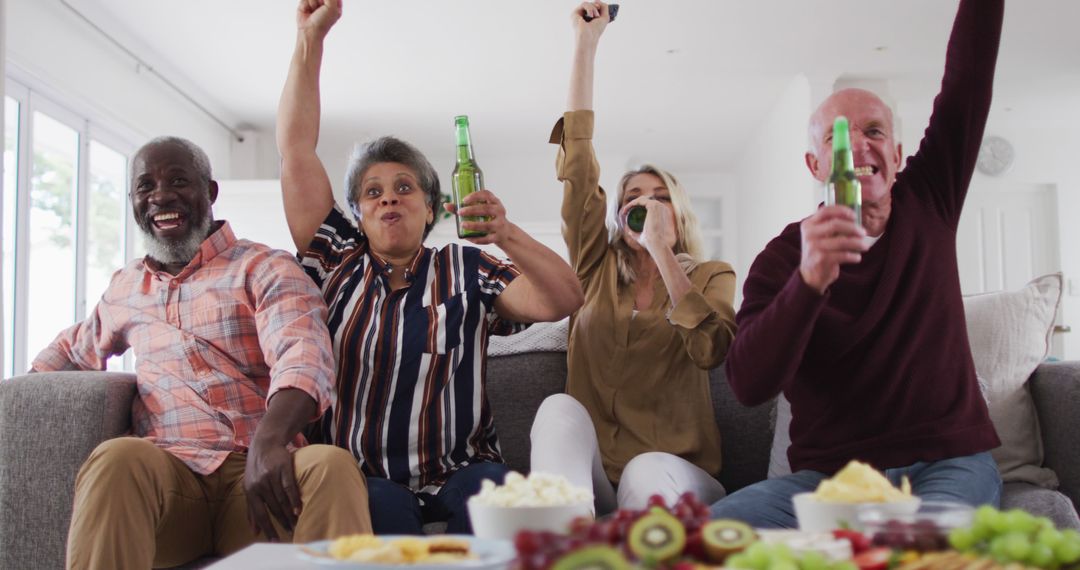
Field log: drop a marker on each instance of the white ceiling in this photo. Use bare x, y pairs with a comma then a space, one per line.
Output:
681, 82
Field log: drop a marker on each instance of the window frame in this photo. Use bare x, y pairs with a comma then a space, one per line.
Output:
85, 123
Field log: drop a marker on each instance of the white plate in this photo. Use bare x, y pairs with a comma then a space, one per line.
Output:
490, 555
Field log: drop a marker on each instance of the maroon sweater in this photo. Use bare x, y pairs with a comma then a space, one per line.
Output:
879, 368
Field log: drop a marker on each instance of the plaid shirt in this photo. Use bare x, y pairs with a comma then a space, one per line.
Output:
212, 345
412, 405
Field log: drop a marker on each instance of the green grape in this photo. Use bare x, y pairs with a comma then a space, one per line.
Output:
1045, 523
813, 561
984, 522
1020, 521
1041, 556
1070, 534
784, 565
1016, 546
845, 565
999, 550
962, 539
758, 555
1049, 537
780, 553
740, 561
1068, 550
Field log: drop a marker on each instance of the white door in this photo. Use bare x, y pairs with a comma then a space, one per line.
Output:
1008, 236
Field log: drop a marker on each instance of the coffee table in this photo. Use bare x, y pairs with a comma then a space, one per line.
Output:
265, 556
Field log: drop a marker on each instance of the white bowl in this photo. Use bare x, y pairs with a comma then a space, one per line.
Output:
505, 522
815, 515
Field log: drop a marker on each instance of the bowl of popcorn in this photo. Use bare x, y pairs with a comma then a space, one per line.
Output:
539, 502
837, 501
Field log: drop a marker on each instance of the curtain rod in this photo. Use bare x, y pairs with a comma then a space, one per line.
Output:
144, 65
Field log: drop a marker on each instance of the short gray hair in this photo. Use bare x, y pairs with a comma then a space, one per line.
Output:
391, 149
198, 155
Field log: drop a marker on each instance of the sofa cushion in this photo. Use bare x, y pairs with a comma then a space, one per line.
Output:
1010, 335
1033, 499
516, 385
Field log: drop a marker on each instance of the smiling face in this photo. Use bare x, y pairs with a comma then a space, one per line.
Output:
648, 186
873, 143
171, 199
394, 209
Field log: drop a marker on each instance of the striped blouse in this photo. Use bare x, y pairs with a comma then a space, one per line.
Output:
411, 402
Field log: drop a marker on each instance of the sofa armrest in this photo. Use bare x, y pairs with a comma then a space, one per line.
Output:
1055, 388
49, 424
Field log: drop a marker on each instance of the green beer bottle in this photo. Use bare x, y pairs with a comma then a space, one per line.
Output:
467, 177
635, 218
844, 188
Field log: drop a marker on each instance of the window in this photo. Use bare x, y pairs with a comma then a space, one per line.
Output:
66, 221
11, 138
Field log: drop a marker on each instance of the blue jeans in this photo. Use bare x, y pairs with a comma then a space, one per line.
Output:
395, 509
972, 479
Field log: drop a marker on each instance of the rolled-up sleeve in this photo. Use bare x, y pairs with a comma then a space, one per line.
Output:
705, 318
290, 316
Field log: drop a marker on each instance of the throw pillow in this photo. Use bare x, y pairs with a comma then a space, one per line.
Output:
1010, 334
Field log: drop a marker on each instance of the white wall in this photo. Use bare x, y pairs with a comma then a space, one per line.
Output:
774, 186
1048, 155
54, 51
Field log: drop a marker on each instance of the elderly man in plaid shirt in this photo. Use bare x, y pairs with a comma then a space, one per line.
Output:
233, 359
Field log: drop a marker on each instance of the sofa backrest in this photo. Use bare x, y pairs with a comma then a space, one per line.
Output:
516, 384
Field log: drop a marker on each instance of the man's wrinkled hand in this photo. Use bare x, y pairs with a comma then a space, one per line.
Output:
830, 238
271, 488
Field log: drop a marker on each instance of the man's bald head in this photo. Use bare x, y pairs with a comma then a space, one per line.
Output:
873, 140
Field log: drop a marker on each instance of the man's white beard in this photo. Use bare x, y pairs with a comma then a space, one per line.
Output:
182, 251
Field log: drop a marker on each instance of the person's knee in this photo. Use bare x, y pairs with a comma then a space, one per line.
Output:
558, 411
646, 475
324, 463
118, 458
647, 470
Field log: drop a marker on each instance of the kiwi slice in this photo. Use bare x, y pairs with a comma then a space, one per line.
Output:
656, 537
725, 536
592, 558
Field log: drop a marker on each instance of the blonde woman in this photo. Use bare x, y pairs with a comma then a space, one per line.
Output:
637, 418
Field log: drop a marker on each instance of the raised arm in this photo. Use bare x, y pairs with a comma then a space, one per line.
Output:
305, 187
547, 289
950, 146
584, 205
587, 38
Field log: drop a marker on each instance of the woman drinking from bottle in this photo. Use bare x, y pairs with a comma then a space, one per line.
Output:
410, 324
637, 418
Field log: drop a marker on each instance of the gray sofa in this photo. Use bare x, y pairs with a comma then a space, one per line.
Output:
49, 423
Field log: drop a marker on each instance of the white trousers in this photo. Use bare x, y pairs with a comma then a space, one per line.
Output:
564, 442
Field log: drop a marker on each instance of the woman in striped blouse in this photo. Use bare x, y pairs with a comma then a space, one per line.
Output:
410, 324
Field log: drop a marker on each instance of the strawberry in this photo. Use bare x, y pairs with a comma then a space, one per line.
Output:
873, 559
859, 541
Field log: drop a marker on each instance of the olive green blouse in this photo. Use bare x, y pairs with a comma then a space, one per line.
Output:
643, 378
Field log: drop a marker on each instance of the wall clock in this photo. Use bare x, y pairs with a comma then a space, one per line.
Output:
995, 156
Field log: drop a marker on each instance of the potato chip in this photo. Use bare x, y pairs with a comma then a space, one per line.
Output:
859, 483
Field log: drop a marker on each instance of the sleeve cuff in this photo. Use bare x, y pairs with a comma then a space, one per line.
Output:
691, 311
573, 125
324, 397
802, 295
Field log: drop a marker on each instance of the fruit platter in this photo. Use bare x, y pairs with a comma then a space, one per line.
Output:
682, 537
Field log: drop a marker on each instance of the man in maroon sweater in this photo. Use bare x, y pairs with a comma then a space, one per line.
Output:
862, 328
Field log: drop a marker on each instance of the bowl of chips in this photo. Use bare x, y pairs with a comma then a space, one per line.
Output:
837, 501
539, 502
